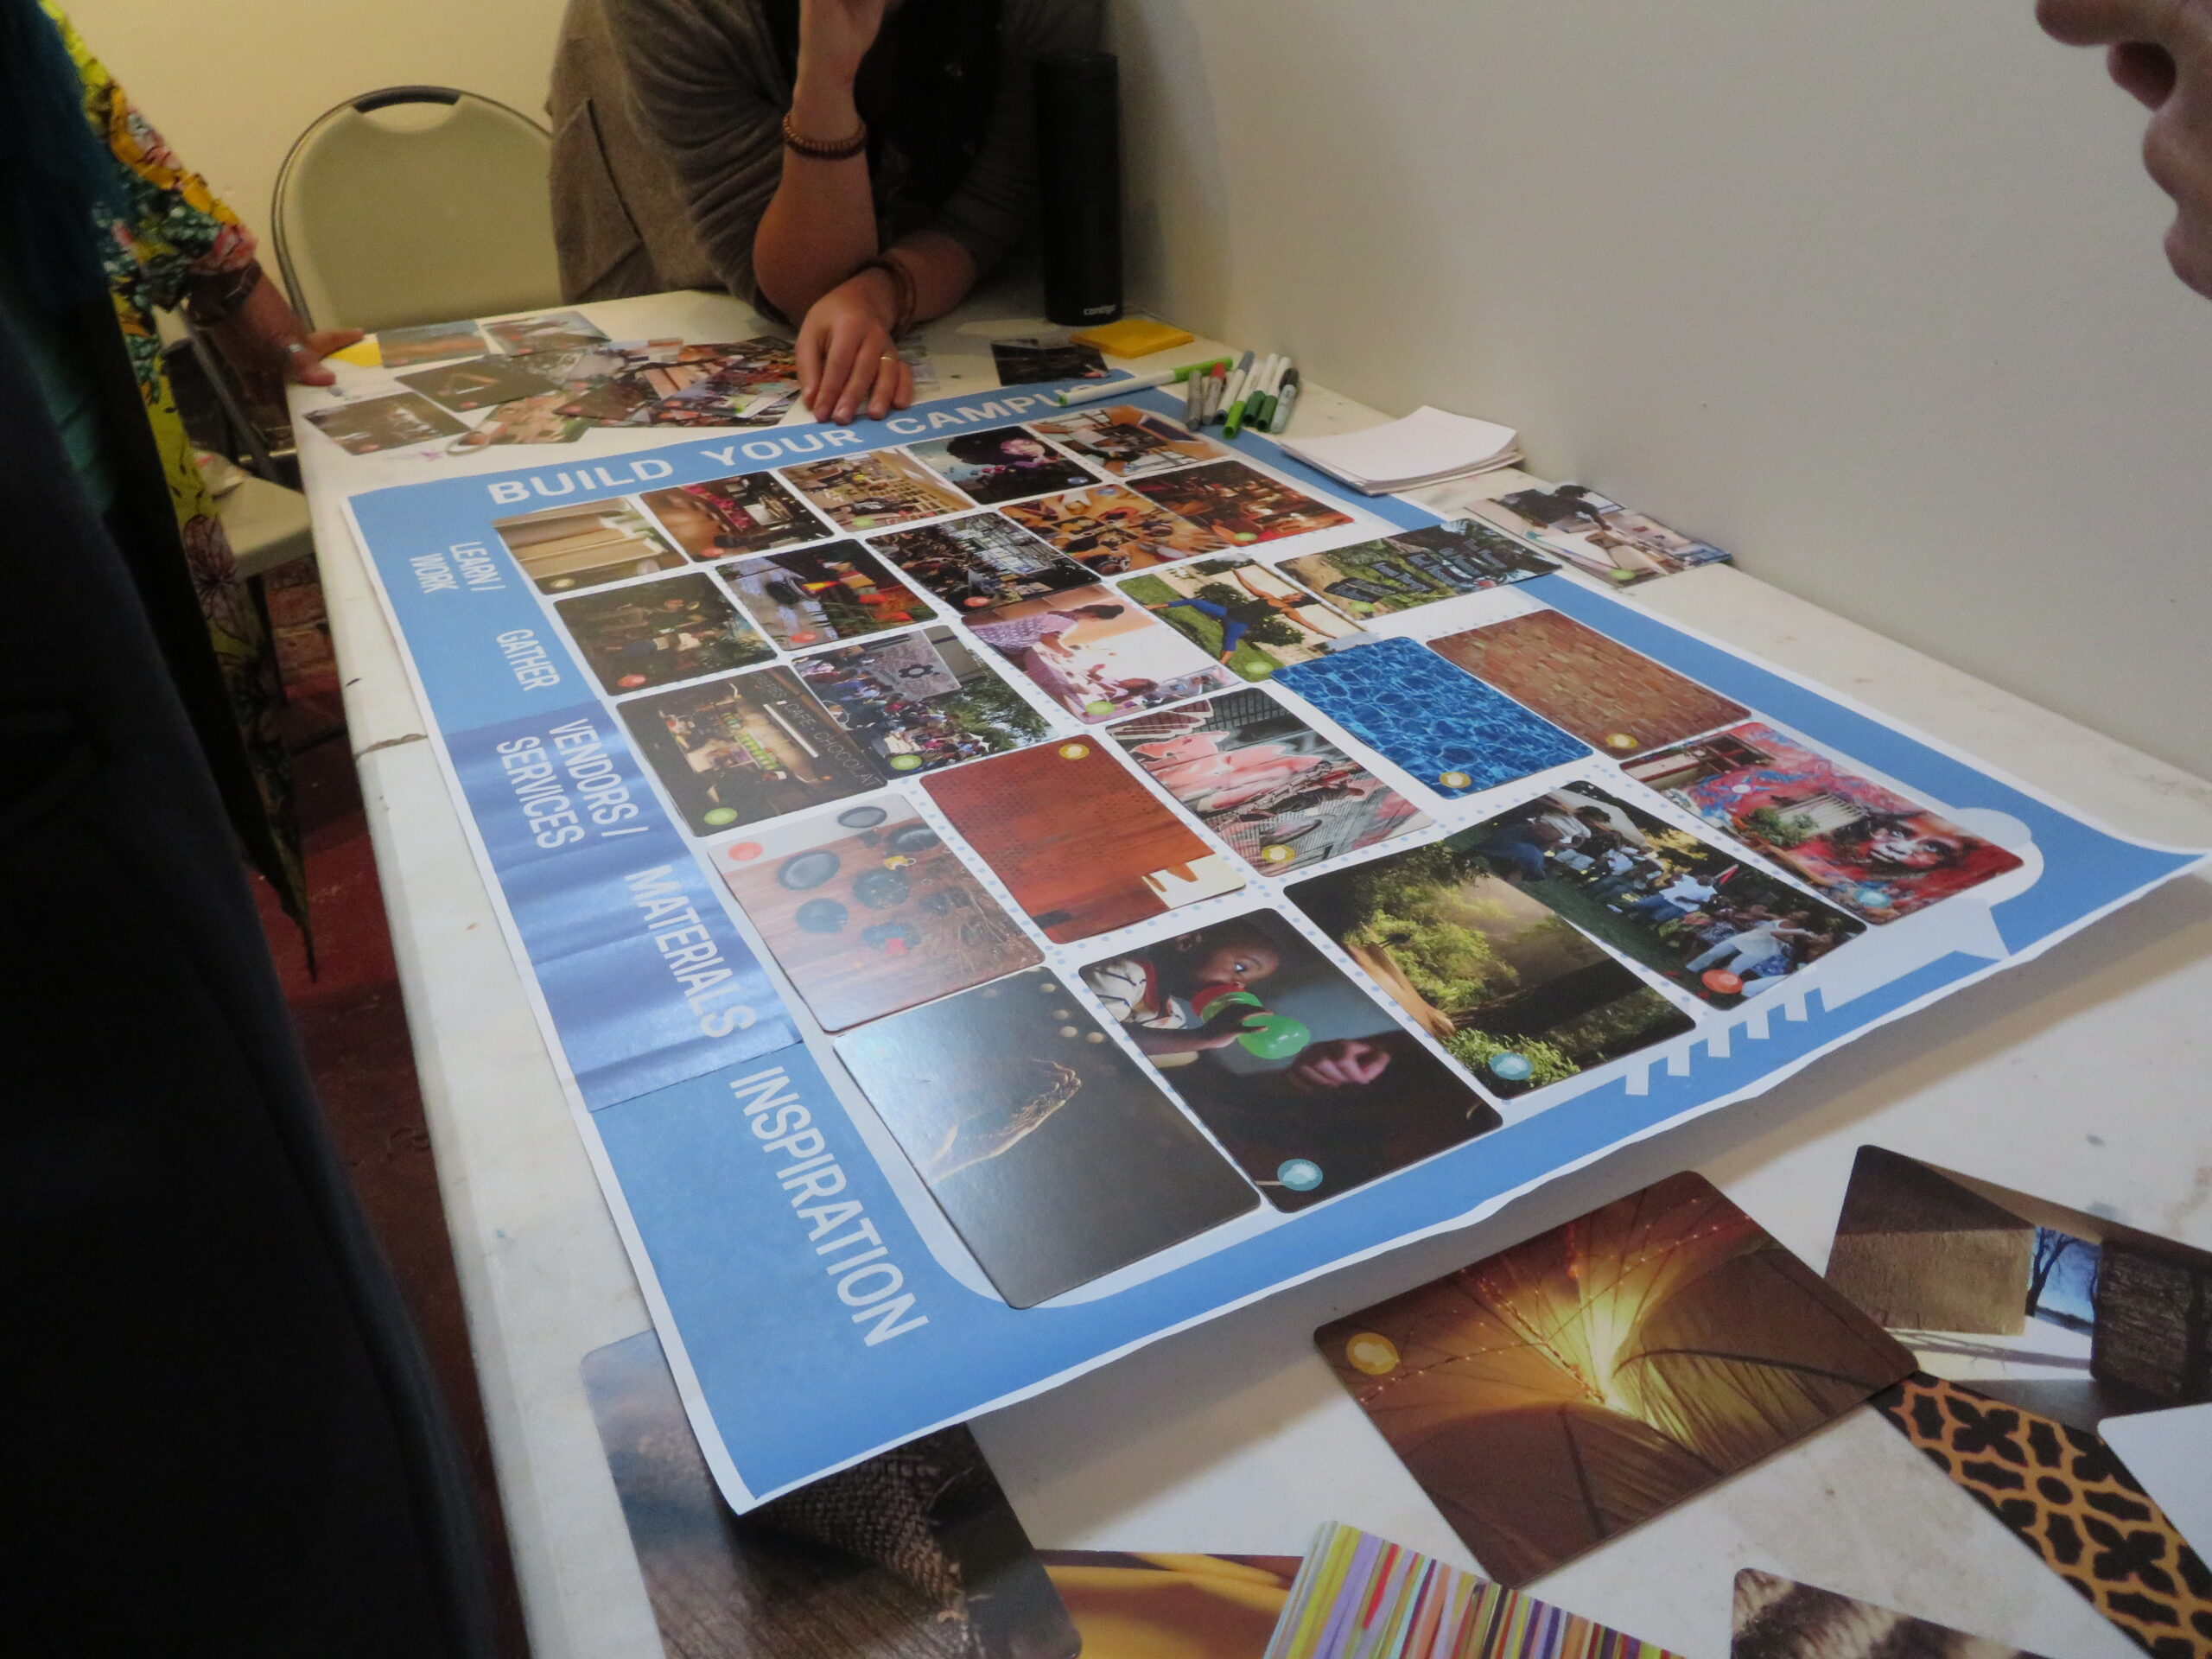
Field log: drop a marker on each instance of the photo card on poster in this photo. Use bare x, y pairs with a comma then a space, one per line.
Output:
1593, 533
1303, 1077
1125, 442
1408, 568
427, 342
752, 746
620, 400
563, 549
399, 422
654, 633
1866, 847
1084, 847
527, 420
980, 561
752, 512
1098, 653
1264, 781
1109, 529
918, 701
1511, 990
913, 1554
1001, 463
818, 596
1238, 503
1054, 1157
1612, 698
1247, 616
874, 490
1719, 1345
1033, 360
477, 384
1664, 897
869, 911
549, 331
1443, 725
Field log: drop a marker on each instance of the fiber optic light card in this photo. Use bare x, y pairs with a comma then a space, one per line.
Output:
1002, 884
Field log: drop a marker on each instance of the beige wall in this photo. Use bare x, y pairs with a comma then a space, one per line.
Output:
231, 83
1870, 294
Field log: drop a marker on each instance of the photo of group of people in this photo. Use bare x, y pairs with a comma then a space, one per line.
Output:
1109, 529
659, 632
1125, 442
1097, 654
811, 596
1265, 782
1244, 614
562, 548
1412, 567
1509, 988
980, 561
1868, 849
1708, 922
750, 512
1053, 1154
1597, 534
752, 746
1303, 1079
922, 699
1003, 463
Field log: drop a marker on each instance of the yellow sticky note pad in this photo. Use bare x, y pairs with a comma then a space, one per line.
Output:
1132, 337
364, 353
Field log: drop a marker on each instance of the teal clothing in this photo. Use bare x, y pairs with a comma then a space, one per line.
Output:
50, 344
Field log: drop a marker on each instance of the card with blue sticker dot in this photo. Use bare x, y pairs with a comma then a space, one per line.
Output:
1442, 725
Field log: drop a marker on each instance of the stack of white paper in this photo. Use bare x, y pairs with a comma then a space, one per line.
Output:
1428, 447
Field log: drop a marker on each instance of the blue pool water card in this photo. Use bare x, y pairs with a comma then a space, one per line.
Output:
1444, 727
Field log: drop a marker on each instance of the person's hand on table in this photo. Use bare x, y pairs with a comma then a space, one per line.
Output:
2160, 51
264, 343
847, 360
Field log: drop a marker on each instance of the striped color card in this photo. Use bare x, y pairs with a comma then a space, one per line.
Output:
1361, 1597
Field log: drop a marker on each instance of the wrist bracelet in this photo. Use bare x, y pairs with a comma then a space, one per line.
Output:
842, 150
903, 281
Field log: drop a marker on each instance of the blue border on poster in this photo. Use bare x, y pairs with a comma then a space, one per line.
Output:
719, 1139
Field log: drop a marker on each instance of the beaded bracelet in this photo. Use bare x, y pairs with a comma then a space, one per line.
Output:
842, 150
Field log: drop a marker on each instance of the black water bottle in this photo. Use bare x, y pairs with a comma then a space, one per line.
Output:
1079, 185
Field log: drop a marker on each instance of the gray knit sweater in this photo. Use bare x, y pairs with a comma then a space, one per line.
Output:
667, 144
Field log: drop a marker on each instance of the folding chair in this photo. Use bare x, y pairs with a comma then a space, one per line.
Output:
412, 205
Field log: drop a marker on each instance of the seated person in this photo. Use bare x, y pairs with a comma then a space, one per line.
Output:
853, 165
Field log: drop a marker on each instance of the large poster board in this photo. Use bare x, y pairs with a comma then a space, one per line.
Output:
1005, 883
